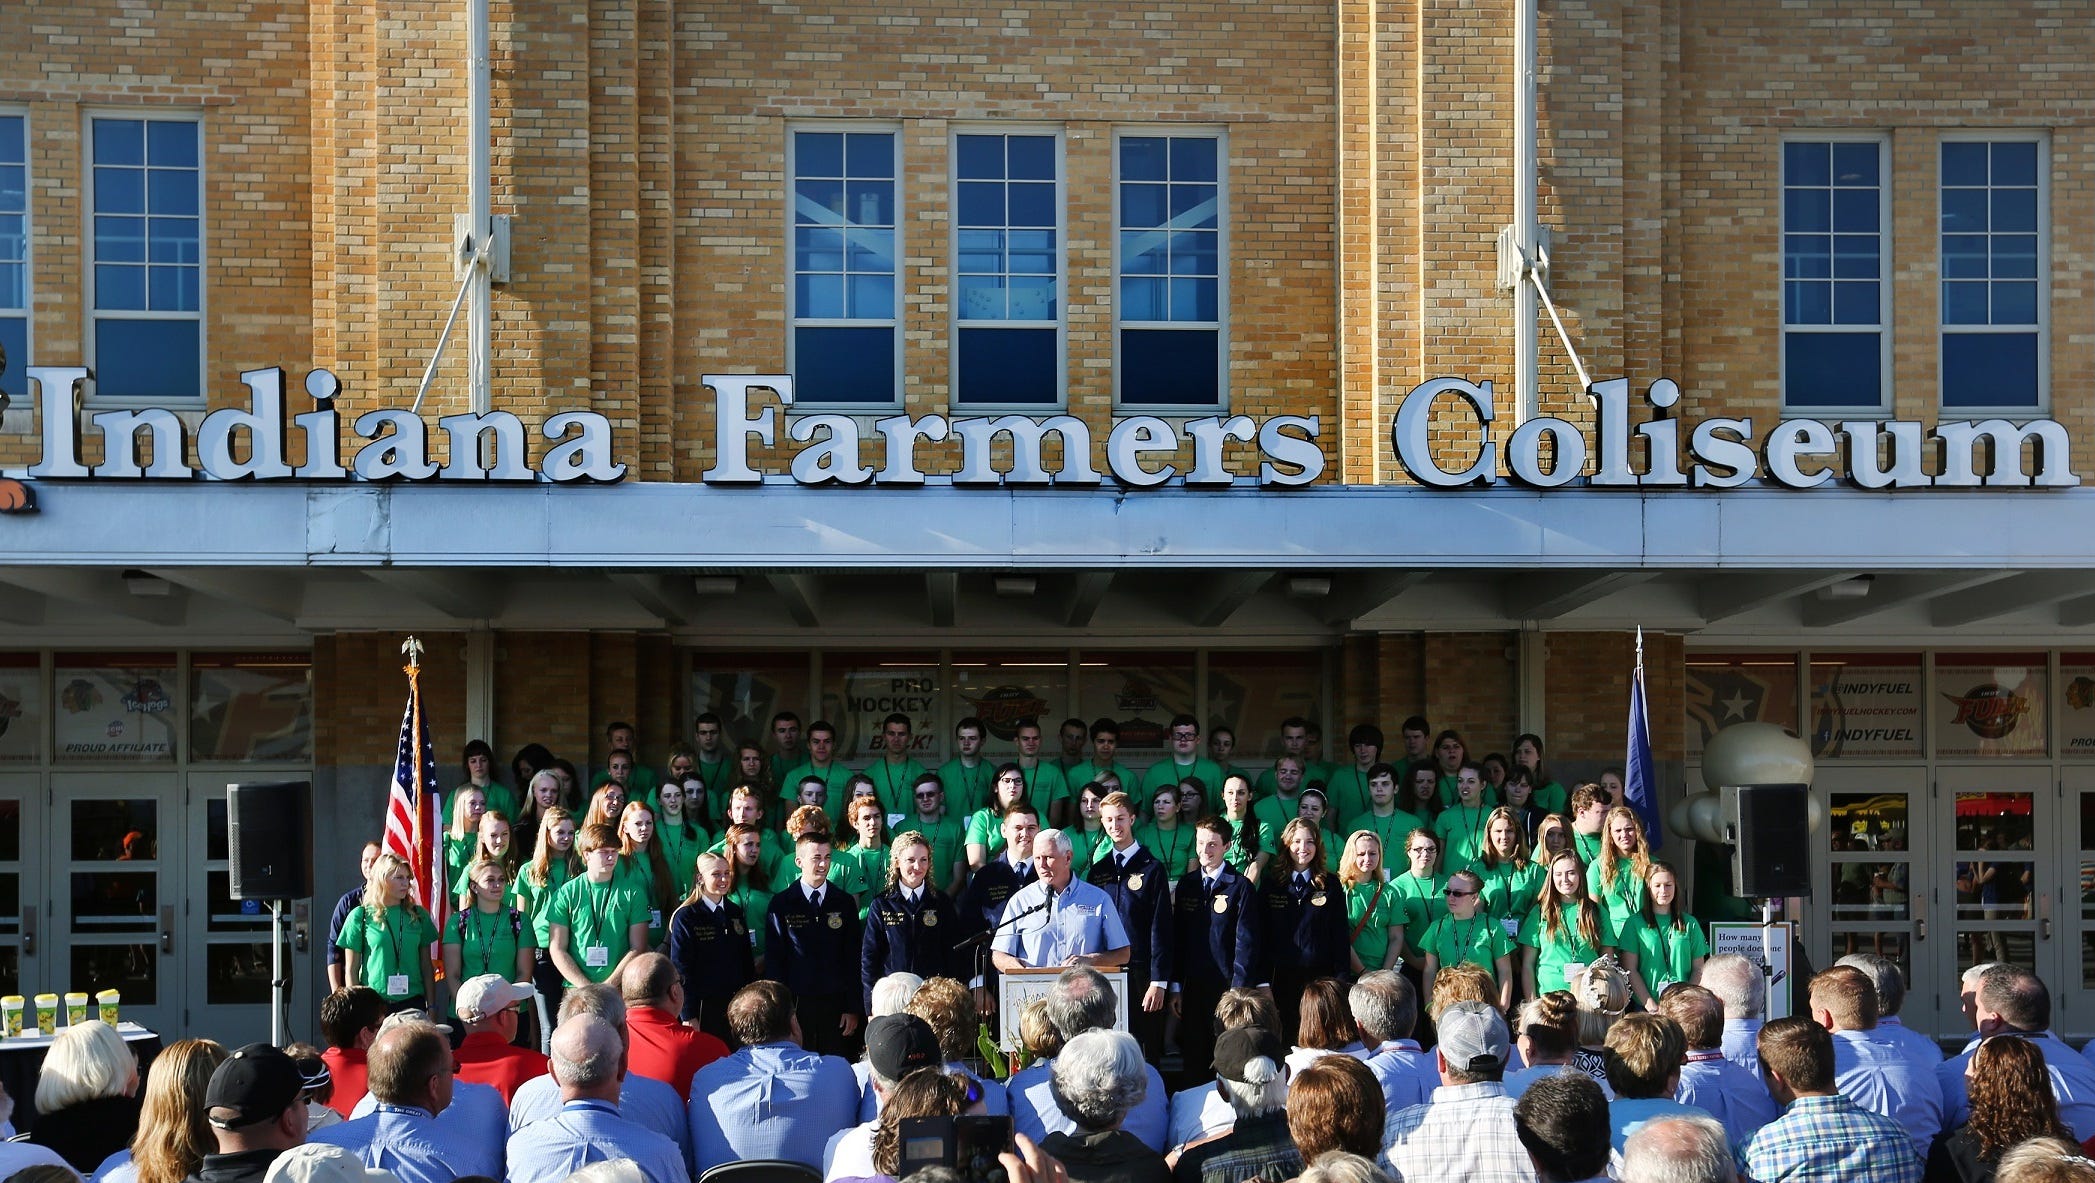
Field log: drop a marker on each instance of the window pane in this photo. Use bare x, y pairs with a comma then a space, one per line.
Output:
1032, 158
119, 141
1142, 205
14, 290
1855, 210
818, 153
2015, 256
1728, 688
1832, 369
251, 706
1192, 158
1855, 256
21, 696
171, 192
844, 365
13, 137
870, 203
1964, 256
1964, 303
14, 184
1809, 256
1855, 163
979, 157
1963, 210
1032, 204
1008, 365
1170, 367
818, 248
872, 297
1142, 299
1808, 303
1807, 210
115, 711
171, 143
2015, 163
869, 154
1143, 158
2015, 211
14, 382
148, 358
2014, 303
174, 289
820, 202
1964, 162
120, 288
120, 190
1806, 163
981, 203
819, 297
1856, 304
1989, 370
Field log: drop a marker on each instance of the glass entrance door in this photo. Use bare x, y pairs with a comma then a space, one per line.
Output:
2001, 890
117, 860
1874, 849
22, 911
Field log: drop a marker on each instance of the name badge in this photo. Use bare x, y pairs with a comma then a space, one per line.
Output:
896, 819
596, 956
1511, 926
396, 986
930, 920
654, 917
836, 920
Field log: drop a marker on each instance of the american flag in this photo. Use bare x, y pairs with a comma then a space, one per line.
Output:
412, 829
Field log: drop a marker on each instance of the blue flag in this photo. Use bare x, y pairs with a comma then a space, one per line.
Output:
1640, 782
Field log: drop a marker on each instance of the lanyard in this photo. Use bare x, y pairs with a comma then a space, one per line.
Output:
1663, 934
599, 906
1465, 936
485, 941
393, 938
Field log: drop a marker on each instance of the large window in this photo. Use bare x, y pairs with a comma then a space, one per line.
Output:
148, 274
845, 338
14, 253
1993, 306
1007, 271
1169, 265
1835, 301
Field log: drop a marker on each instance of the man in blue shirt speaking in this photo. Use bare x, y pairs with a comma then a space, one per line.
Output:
1060, 920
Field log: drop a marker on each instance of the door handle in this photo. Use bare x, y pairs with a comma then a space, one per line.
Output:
2044, 928
29, 931
167, 928
1920, 930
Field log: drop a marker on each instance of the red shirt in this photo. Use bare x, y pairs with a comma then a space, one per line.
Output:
663, 1049
484, 1057
346, 1068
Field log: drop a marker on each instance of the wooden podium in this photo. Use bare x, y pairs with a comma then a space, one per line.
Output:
1016, 987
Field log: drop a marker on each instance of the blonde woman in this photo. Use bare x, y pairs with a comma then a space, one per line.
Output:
1618, 877
553, 863
1512, 881
910, 926
1565, 931
385, 941
711, 946
173, 1134
86, 1095
495, 845
1374, 910
462, 836
1603, 995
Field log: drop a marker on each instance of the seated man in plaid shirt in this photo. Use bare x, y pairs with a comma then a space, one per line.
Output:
1821, 1135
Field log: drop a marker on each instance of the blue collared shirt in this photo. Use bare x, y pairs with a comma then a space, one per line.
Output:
1918, 1048
770, 1100
476, 1115
1081, 920
642, 1099
1727, 1092
1831, 1139
412, 1143
1876, 1073
1625, 1114
2072, 1083
995, 1101
1035, 1114
1741, 1043
583, 1132
1407, 1075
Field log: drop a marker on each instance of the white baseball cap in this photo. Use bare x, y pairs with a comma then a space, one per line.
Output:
489, 995
315, 1162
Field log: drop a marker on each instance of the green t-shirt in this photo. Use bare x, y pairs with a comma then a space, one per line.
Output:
1461, 830
396, 954
1479, 940
457, 853
1551, 798
1664, 953
967, 789
1372, 945
1083, 774
638, 873
1242, 853
1173, 847
894, 784
1622, 901
755, 903
1553, 953
487, 942
948, 839
682, 851
536, 902
1391, 830
860, 871
1045, 785
1273, 815
1424, 901
986, 829
1509, 891
598, 917
1347, 791
1168, 771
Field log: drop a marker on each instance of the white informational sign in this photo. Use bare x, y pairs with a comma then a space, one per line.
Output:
1015, 988
1765, 945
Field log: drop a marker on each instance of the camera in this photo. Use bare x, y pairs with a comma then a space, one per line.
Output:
968, 1144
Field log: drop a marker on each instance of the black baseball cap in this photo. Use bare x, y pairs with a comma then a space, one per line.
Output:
897, 1045
256, 1082
1239, 1046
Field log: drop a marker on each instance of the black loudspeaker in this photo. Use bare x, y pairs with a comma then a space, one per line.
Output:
269, 832
1771, 856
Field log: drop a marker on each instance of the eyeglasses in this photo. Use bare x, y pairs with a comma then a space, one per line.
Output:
1457, 893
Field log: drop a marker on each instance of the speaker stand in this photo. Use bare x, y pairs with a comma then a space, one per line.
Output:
279, 986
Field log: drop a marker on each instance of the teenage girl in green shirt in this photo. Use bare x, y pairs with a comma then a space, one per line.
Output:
1617, 877
642, 864
553, 863
1374, 911
487, 936
1244, 852
1662, 944
744, 847
1512, 884
680, 837
1566, 928
1550, 796
1423, 891
1086, 836
1312, 806
386, 940
1467, 936
491, 842
861, 868
462, 836
985, 827
1171, 842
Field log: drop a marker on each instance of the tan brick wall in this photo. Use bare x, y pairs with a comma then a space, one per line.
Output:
359, 693
1586, 694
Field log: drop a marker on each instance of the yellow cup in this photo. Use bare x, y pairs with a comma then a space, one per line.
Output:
106, 1000
75, 1008
11, 1015
47, 1014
